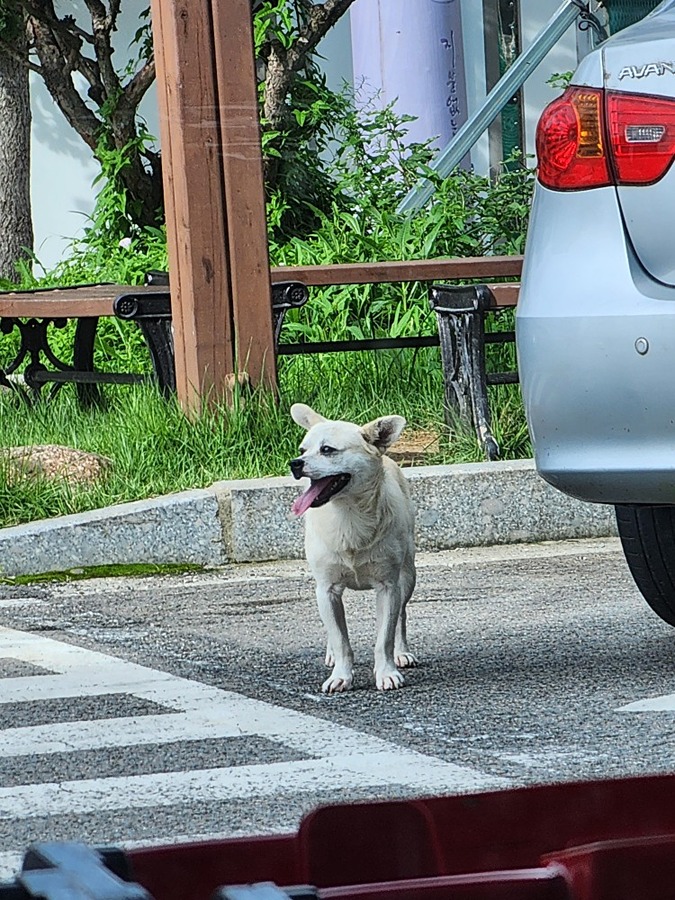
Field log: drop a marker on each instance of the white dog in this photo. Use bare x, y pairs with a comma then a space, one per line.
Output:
359, 534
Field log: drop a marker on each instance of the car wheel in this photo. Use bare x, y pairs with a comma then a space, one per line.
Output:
648, 537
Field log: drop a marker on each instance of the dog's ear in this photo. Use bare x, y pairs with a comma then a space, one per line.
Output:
382, 433
304, 416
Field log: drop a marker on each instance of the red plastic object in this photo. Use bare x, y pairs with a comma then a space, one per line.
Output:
588, 841
590, 138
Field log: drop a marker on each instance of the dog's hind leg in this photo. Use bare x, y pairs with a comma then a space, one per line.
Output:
389, 601
332, 612
402, 655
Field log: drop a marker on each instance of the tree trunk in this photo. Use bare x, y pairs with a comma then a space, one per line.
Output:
16, 230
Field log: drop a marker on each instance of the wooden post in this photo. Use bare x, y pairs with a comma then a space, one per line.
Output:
204, 208
244, 189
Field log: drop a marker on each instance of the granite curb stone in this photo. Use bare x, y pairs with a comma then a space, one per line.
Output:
476, 504
176, 528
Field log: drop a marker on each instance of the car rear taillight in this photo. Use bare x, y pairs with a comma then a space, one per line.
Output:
570, 141
592, 138
642, 130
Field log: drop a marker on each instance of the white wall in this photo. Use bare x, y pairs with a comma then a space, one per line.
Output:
62, 170
62, 166
534, 14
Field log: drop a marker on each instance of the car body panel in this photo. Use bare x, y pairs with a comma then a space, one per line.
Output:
637, 59
590, 72
649, 219
641, 60
601, 413
595, 322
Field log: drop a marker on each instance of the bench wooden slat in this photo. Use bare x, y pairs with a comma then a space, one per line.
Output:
446, 269
97, 299
461, 327
505, 295
75, 302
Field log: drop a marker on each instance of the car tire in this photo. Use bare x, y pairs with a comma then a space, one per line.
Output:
648, 538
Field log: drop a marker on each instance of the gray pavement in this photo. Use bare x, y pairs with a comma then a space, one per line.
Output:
165, 708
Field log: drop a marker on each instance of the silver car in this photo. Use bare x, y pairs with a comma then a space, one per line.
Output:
596, 314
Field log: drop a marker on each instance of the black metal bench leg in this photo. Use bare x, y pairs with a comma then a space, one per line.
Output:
475, 335
7, 325
460, 317
152, 314
33, 347
159, 339
83, 361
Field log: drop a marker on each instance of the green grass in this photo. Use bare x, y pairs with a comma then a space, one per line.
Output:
156, 450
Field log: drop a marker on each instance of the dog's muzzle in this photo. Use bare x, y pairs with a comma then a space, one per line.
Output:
297, 467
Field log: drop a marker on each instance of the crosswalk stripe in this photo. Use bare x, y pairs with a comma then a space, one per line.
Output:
63, 737
243, 715
13, 602
235, 783
650, 704
10, 863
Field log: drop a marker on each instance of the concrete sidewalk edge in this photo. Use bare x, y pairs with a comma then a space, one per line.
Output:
477, 504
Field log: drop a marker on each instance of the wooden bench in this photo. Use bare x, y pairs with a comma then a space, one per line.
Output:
149, 306
460, 312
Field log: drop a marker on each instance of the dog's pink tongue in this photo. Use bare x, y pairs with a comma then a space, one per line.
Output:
304, 501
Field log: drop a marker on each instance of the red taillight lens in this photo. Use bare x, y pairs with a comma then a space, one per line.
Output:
587, 138
642, 130
570, 141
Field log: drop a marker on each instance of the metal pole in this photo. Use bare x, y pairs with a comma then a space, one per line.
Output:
512, 80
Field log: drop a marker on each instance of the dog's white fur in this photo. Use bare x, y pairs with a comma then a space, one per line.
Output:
362, 538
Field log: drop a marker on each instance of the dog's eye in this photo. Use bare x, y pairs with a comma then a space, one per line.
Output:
326, 450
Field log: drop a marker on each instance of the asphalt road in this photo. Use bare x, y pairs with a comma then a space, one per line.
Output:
160, 709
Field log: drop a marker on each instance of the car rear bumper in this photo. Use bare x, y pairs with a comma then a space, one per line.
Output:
596, 355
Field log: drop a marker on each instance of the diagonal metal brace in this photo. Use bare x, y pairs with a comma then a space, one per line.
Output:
460, 318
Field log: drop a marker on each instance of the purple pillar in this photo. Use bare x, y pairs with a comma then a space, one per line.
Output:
412, 50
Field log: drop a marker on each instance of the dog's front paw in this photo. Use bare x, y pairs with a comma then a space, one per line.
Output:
405, 660
389, 679
338, 682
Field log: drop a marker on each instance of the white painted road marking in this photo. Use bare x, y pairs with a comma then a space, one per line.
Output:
356, 770
664, 703
339, 757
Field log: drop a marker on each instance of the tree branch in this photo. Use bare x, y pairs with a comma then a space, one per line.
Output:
320, 20
102, 24
139, 84
283, 64
44, 10
11, 51
114, 13
60, 84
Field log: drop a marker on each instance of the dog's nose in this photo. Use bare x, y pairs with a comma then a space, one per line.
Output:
296, 467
